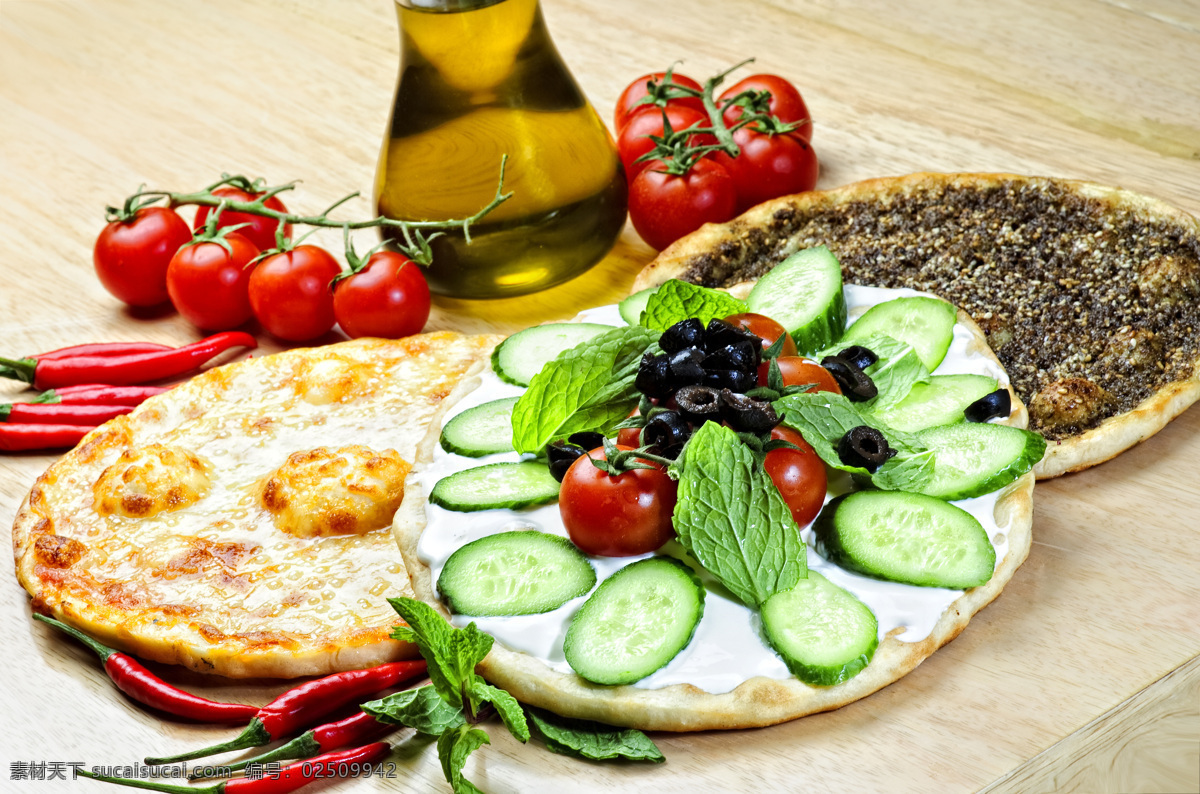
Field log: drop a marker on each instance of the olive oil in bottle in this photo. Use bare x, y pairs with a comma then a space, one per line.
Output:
478, 81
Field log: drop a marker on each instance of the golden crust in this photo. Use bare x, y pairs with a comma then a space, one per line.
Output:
214, 584
758, 701
708, 253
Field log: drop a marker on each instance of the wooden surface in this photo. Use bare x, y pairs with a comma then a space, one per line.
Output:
1081, 677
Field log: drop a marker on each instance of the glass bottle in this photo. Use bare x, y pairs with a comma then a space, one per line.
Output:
479, 80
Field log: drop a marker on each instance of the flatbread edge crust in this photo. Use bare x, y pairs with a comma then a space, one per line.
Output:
757, 702
1097, 445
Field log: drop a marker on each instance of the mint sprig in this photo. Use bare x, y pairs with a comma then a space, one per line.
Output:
734, 521
421, 709
453, 748
589, 387
592, 740
678, 300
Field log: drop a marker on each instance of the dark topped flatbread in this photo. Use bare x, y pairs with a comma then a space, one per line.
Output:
1090, 296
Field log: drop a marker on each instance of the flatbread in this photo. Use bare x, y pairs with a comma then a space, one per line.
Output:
240, 523
1089, 295
758, 701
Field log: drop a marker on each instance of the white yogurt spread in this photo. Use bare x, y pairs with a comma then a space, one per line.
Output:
728, 647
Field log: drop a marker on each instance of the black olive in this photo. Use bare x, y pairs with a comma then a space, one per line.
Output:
989, 406
747, 414
686, 367
720, 334
866, 447
732, 379
854, 383
654, 377
742, 355
587, 440
699, 403
859, 356
683, 334
560, 455
665, 433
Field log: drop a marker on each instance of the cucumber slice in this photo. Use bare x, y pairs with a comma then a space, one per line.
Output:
637, 621
631, 308
803, 293
495, 486
515, 573
941, 401
517, 359
973, 459
823, 633
483, 430
925, 323
905, 537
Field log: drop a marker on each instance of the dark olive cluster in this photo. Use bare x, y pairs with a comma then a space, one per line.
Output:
847, 369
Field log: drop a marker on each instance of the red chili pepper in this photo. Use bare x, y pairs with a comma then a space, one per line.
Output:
103, 349
343, 763
122, 370
303, 705
352, 731
57, 414
143, 686
103, 394
20, 438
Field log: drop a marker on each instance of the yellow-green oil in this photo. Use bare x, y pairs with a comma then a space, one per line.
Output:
476, 84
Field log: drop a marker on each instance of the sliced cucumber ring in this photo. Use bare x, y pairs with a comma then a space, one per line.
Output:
517, 359
803, 293
925, 323
941, 401
483, 430
973, 459
496, 486
631, 308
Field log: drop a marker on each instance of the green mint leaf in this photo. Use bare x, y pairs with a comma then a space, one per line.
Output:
898, 368
506, 706
421, 709
678, 300
453, 748
593, 740
908, 471
450, 654
589, 387
732, 519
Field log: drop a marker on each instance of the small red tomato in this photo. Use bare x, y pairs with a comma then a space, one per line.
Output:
627, 103
616, 516
786, 104
634, 141
799, 474
389, 298
797, 371
261, 230
209, 284
765, 329
769, 166
290, 293
664, 207
131, 257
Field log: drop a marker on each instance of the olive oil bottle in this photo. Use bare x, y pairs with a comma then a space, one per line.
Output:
480, 80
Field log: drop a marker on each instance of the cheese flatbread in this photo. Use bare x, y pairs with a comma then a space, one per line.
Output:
240, 523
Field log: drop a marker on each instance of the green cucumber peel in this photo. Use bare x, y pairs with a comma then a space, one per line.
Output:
678, 300
733, 520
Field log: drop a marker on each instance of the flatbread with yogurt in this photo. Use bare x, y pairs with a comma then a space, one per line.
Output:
240, 524
1089, 295
683, 705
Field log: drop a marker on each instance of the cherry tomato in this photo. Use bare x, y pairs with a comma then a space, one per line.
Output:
290, 293
627, 103
616, 516
388, 298
769, 166
261, 230
664, 207
799, 474
765, 329
208, 284
786, 104
634, 140
131, 257
797, 371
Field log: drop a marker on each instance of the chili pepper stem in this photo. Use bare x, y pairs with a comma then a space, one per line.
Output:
103, 651
153, 785
303, 746
255, 735
18, 368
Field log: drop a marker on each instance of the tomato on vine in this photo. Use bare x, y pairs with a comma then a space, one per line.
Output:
386, 296
634, 140
260, 229
665, 206
208, 281
132, 253
616, 516
630, 101
783, 103
769, 166
290, 293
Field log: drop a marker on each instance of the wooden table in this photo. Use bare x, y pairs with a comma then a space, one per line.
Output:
1083, 676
